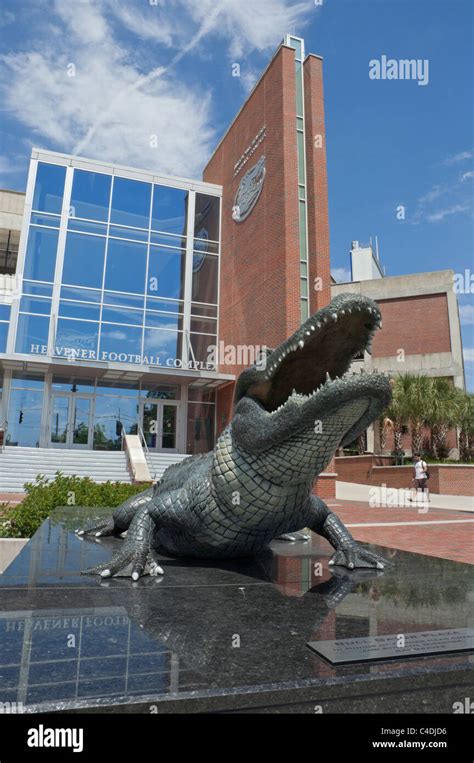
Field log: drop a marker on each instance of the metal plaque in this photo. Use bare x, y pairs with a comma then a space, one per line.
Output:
394, 645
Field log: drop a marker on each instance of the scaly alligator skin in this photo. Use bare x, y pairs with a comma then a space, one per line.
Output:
292, 410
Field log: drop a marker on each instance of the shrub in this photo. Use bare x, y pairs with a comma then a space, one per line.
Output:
44, 495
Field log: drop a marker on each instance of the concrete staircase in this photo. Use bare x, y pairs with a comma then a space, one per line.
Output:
20, 465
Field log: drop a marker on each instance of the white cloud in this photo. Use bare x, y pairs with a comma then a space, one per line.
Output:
440, 214
462, 156
248, 78
111, 109
466, 175
342, 275
84, 19
468, 353
59, 110
466, 314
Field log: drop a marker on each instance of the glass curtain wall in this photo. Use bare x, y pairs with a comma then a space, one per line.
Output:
123, 270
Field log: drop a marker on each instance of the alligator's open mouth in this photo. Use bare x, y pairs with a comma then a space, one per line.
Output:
317, 356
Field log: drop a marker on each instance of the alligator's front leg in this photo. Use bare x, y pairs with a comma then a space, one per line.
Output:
135, 550
348, 552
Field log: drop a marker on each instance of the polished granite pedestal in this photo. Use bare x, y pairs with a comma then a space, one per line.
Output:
223, 636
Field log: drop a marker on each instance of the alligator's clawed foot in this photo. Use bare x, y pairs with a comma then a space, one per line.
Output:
354, 556
128, 562
100, 529
294, 536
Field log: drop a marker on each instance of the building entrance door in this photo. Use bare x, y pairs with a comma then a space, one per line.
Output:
70, 421
160, 424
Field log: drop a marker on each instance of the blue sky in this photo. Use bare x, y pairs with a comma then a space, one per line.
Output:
149, 83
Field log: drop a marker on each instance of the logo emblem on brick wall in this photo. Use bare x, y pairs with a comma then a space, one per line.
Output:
248, 192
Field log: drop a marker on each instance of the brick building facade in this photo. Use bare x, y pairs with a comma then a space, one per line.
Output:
275, 262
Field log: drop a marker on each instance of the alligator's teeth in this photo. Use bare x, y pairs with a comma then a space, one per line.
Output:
380, 324
308, 333
342, 312
301, 343
280, 358
318, 325
328, 378
334, 316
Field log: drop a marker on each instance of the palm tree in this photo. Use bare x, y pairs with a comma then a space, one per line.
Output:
394, 419
442, 407
415, 392
465, 421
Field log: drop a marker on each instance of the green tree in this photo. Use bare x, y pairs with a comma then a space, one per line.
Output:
465, 421
442, 413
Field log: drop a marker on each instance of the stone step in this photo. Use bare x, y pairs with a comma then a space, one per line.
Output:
20, 465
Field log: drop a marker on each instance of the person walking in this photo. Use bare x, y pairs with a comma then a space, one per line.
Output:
421, 477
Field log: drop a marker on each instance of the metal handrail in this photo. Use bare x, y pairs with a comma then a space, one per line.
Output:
147, 452
143, 442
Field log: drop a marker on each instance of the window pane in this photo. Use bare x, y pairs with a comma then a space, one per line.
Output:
120, 344
90, 195
299, 89
204, 348
49, 220
41, 254
200, 428
76, 339
122, 315
166, 273
206, 219
72, 384
125, 300
4, 312
163, 391
79, 310
24, 417
37, 289
85, 227
198, 395
163, 344
166, 239
32, 334
204, 245
126, 266
164, 320
131, 233
170, 206
49, 188
300, 139
204, 325
112, 414
83, 260
296, 44
168, 306
27, 381
205, 280
302, 216
207, 310
32, 305
59, 419
131, 201
169, 426
116, 388
84, 295
3, 341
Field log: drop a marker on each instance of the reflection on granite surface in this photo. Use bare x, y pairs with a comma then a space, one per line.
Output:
205, 627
